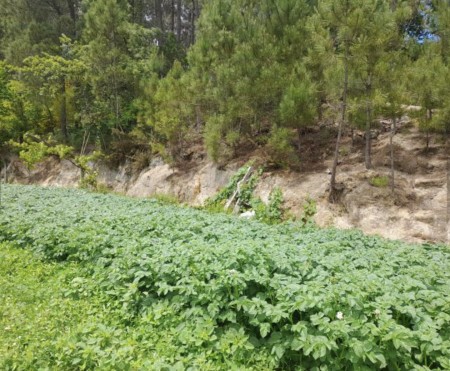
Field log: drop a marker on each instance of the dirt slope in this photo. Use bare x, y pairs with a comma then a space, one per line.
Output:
415, 213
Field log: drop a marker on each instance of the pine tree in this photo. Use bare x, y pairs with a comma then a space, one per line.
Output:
245, 56
443, 28
173, 112
343, 22
105, 33
427, 73
378, 36
18, 114
298, 106
394, 94
119, 55
53, 83
32, 27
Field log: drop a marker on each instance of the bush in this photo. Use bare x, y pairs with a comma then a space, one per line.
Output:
246, 195
141, 160
32, 152
280, 149
272, 213
89, 175
213, 137
309, 210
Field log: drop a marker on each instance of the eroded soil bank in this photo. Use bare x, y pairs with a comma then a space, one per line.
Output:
415, 213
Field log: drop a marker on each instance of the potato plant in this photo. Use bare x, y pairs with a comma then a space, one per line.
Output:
211, 291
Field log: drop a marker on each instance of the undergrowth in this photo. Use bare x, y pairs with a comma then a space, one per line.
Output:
271, 213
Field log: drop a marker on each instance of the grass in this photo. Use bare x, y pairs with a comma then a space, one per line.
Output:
52, 317
34, 309
379, 181
165, 199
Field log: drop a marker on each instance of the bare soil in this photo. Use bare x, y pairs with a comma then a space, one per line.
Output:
414, 212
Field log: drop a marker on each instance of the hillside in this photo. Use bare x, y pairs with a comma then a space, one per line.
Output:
161, 286
416, 212
224, 185
173, 97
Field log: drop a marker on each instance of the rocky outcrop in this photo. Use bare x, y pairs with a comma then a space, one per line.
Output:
191, 186
415, 213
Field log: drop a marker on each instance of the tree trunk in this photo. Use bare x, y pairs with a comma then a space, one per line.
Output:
393, 5
63, 112
194, 15
333, 196
73, 15
448, 188
299, 139
56, 7
159, 14
391, 144
198, 120
179, 11
116, 103
368, 160
368, 149
192, 23
172, 17
72, 10
1, 171
430, 117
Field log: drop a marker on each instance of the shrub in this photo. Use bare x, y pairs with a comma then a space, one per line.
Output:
32, 152
379, 181
272, 213
141, 160
309, 210
280, 149
227, 192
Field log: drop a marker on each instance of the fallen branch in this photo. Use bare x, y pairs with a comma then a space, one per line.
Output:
238, 190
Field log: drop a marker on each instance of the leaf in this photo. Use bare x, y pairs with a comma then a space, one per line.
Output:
381, 359
278, 350
264, 329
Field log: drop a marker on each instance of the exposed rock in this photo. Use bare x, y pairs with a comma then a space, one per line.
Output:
116, 179
425, 216
416, 212
374, 134
152, 181
50, 172
248, 214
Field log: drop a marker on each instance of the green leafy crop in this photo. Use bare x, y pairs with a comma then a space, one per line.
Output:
188, 289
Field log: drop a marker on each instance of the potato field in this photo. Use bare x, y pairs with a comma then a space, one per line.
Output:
105, 282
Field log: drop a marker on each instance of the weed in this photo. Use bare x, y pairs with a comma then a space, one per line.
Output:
165, 198
379, 181
309, 210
